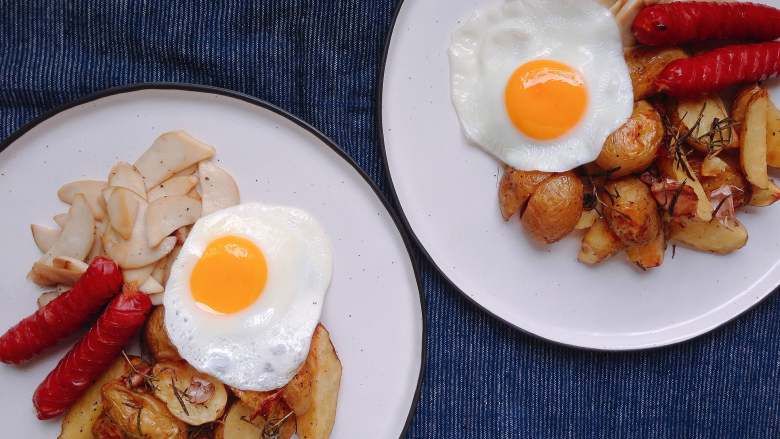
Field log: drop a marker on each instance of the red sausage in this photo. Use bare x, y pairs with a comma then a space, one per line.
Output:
684, 22
88, 359
720, 68
64, 315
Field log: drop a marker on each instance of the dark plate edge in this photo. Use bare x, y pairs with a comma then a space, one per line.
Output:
396, 203
402, 230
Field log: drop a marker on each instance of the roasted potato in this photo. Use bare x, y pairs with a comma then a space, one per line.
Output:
753, 136
191, 396
709, 236
645, 64
587, 219
677, 169
156, 337
773, 135
80, 418
255, 399
317, 422
712, 166
740, 104
239, 424
105, 428
713, 130
765, 197
297, 393
631, 211
554, 208
633, 147
649, 255
731, 176
515, 189
140, 415
599, 243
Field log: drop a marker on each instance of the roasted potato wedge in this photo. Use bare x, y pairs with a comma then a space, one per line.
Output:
765, 197
587, 219
633, 147
105, 428
317, 422
140, 415
649, 255
515, 189
645, 64
191, 396
709, 236
554, 208
773, 135
631, 211
706, 119
255, 399
156, 337
730, 176
599, 243
239, 424
79, 419
740, 104
753, 146
678, 170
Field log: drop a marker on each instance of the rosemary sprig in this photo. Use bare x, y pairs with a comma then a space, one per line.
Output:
149, 380
177, 394
676, 197
271, 431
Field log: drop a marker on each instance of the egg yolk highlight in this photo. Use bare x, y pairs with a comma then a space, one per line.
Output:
545, 99
229, 276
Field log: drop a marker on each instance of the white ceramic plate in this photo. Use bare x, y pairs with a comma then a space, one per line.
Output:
447, 190
373, 307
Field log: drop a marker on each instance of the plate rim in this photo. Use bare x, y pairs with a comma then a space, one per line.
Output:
400, 224
403, 217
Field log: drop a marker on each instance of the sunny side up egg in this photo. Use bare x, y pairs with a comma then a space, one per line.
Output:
246, 293
540, 84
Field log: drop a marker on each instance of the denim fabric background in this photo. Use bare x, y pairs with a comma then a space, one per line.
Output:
320, 59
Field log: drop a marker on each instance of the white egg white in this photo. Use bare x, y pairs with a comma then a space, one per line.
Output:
263, 346
491, 44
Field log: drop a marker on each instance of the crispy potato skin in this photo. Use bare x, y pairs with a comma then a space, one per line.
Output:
156, 337
554, 210
731, 176
515, 188
633, 147
599, 243
129, 409
317, 422
105, 428
631, 211
645, 65
649, 255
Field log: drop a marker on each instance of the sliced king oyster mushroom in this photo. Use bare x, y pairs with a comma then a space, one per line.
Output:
217, 188
44, 236
166, 215
123, 210
170, 153
77, 236
61, 219
125, 175
135, 252
172, 187
92, 191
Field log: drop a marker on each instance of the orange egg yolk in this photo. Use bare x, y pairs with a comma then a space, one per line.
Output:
545, 99
229, 276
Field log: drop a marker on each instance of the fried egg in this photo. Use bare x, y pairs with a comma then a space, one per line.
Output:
246, 293
540, 84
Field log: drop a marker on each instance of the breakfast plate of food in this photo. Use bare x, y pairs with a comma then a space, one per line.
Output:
598, 173
188, 262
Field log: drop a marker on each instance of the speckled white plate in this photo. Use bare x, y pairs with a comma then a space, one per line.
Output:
447, 190
373, 308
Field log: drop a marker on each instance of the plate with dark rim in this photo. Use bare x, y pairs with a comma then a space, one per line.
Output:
446, 189
373, 309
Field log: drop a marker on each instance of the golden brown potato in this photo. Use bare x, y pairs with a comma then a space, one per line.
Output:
587, 219
676, 170
752, 136
645, 64
740, 104
773, 135
631, 211
156, 337
193, 397
239, 424
140, 415
80, 418
105, 428
712, 166
297, 393
731, 176
765, 197
709, 236
713, 130
555, 208
515, 189
254, 399
599, 243
633, 147
317, 422
649, 255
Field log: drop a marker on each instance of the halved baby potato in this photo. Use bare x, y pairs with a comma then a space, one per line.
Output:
139, 414
555, 208
156, 337
631, 211
191, 396
516, 188
633, 147
709, 236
